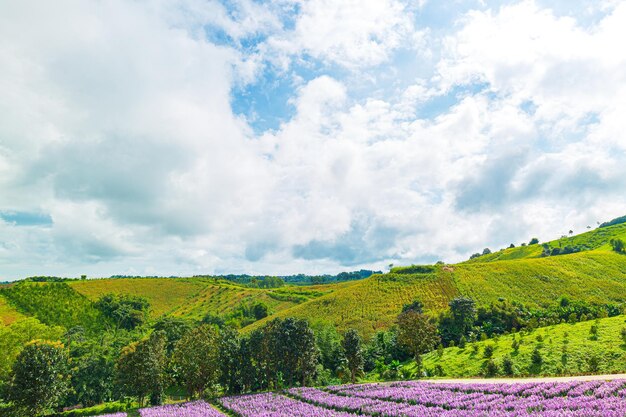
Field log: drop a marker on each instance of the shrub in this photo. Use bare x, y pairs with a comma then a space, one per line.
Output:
491, 369
507, 365
488, 352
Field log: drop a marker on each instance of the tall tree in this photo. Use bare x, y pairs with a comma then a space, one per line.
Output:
231, 360
141, 368
196, 358
40, 377
353, 349
418, 334
461, 320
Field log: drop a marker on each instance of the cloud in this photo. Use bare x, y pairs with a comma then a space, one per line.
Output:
119, 142
348, 33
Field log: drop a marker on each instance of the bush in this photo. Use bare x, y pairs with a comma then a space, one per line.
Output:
536, 358
491, 369
507, 365
488, 353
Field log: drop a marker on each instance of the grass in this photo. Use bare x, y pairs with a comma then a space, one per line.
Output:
54, 304
195, 297
597, 275
591, 240
164, 294
8, 314
373, 303
566, 349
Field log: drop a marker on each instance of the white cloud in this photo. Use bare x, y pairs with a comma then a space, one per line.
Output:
116, 120
349, 33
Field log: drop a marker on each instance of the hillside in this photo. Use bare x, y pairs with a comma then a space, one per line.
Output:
69, 303
594, 239
8, 314
564, 349
595, 276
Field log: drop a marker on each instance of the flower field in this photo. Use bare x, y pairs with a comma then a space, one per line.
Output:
420, 399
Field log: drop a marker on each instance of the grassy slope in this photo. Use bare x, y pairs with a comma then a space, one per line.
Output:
195, 297
373, 303
8, 314
609, 349
593, 239
55, 304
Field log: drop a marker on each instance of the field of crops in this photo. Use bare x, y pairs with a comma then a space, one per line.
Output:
420, 399
371, 304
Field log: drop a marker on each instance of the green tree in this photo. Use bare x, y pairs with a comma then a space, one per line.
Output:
93, 378
353, 349
174, 329
618, 245
126, 311
259, 310
40, 377
141, 368
232, 361
196, 358
418, 334
416, 306
459, 321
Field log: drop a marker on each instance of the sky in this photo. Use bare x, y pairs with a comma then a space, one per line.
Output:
185, 137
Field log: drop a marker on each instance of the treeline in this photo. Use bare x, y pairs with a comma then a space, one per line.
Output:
266, 281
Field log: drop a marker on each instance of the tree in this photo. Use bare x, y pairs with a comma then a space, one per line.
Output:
196, 359
460, 320
533, 241
486, 251
416, 306
353, 350
232, 361
93, 378
40, 377
418, 334
259, 311
174, 329
126, 311
141, 368
618, 245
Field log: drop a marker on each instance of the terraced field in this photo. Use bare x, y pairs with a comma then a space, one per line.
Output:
596, 276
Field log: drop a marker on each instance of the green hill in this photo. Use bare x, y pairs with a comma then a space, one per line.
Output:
595, 276
563, 349
594, 239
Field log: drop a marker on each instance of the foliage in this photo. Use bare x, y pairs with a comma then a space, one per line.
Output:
174, 329
40, 377
417, 333
196, 359
141, 367
353, 351
618, 245
126, 311
13, 338
55, 304
459, 321
416, 306
519, 348
618, 220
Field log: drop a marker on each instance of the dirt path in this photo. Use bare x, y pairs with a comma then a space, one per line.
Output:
521, 380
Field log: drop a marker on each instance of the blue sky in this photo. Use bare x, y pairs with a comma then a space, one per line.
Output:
316, 136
